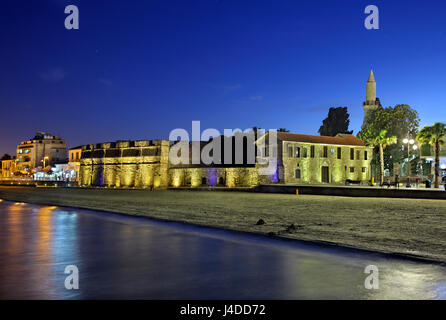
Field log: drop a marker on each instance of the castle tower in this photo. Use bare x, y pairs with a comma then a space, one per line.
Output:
371, 101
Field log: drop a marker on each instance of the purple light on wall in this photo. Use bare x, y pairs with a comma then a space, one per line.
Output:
275, 177
212, 177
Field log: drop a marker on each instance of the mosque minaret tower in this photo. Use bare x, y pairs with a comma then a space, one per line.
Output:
371, 102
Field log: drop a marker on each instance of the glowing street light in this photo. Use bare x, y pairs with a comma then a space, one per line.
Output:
409, 142
45, 158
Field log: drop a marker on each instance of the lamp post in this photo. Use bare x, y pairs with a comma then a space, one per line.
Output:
45, 158
409, 142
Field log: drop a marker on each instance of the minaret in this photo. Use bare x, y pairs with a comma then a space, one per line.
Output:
371, 101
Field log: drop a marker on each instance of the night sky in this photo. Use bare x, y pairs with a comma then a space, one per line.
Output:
138, 69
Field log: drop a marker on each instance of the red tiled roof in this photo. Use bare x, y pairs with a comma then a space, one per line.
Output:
340, 139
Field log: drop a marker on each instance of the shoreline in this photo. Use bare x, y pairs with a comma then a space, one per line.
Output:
263, 236
281, 235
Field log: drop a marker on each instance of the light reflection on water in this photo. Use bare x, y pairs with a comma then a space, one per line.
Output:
129, 258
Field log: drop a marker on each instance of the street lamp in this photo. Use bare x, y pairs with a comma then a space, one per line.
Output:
45, 158
409, 142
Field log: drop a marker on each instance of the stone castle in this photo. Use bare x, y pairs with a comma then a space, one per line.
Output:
301, 158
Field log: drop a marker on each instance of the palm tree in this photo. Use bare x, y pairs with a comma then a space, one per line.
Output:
434, 136
383, 141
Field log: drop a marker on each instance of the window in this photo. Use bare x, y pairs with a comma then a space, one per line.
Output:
297, 173
358, 155
332, 150
352, 169
325, 152
290, 151
312, 151
365, 155
339, 153
297, 152
304, 152
364, 169
352, 154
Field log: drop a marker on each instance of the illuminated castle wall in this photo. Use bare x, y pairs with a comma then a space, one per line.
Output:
229, 177
300, 159
143, 164
139, 164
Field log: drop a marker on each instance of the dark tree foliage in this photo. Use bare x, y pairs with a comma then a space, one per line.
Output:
336, 122
401, 121
5, 157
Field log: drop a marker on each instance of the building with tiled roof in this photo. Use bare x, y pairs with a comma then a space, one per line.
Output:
303, 158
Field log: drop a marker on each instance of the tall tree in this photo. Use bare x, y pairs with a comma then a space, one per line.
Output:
434, 135
382, 141
400, 121
336, 122
283, 130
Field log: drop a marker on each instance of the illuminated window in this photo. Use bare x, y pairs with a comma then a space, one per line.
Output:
297, 152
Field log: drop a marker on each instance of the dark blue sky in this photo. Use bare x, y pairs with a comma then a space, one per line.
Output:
138, 69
